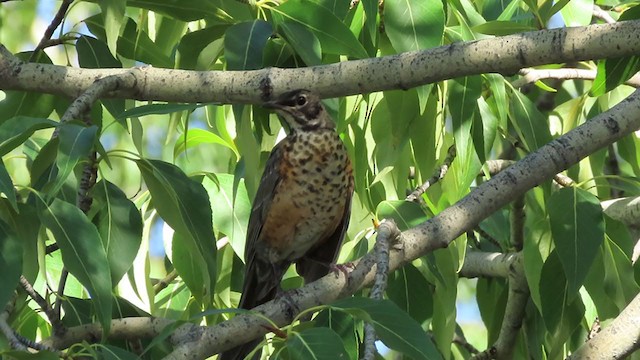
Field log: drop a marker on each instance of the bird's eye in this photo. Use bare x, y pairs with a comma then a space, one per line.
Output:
301, 100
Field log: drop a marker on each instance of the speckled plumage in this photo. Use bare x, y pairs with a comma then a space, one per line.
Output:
302, 206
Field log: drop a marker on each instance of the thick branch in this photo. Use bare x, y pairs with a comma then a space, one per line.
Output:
506, 55
616, 341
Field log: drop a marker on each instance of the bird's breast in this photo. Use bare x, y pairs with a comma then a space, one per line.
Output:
310, 199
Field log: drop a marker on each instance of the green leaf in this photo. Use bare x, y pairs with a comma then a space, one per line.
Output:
192, 45
411, 291
244, 44
531, 125
577, 13
334, 35
10, 261
463, 106
183, 203
231, 208
134, 43
553, 291
119, 224
406, 214
502, 28
343, 325
414, 24
82, 253
6, 186
614, 72
76, 142
195, 137
316, 343
18, 129
94, 54
394, 327
303, 41
158, 109
216, 10
113, 14
577, 225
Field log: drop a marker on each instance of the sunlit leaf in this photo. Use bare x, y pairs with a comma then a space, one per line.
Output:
577, 226
82, 252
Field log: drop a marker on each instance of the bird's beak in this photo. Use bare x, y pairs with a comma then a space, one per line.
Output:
272, 105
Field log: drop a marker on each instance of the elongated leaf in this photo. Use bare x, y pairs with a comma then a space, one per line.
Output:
577, 13
82, 252
213, 10
414, 24
113, 15
393, 326
10, 261
411, 291
316, 343
502, 28
183, 203
343, 325
192, 45
303, 41
231, 208
334, 35
406, 214
577, 226
6, 186
463, 105
133, 44
76, 142
18, 129
531, 125
120, 226
613, 72
244, 44
158, 109
195, 137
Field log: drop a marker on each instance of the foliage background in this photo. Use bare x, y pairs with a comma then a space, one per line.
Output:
577, 261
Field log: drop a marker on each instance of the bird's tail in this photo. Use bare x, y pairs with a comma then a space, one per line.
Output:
261, 284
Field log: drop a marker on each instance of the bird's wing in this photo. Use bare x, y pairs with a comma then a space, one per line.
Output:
261, 278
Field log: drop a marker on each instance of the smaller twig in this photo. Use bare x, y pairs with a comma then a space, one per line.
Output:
51, 28
612, 167
601, 14
49, 312
530, 75
163, 283
487, 236
58, 304
7, 331
462, 341
37, 346
438, 174
387, 233
59, 41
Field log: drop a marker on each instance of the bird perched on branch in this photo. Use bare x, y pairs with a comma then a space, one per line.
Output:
302, 206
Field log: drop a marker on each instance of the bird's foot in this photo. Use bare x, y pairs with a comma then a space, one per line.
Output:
345, 268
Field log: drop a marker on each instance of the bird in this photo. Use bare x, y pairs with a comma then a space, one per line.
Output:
301, 210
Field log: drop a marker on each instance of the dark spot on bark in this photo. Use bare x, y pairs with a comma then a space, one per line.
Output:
521, 58
266, 89
612, 125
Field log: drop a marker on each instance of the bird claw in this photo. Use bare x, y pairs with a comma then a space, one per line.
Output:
345, 268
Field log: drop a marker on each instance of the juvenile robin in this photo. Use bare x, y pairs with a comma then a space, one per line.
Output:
302, 206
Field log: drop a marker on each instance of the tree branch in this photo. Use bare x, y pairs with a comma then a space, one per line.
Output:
505, 55
616, 341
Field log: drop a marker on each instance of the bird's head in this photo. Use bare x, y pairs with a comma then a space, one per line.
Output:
302, 110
